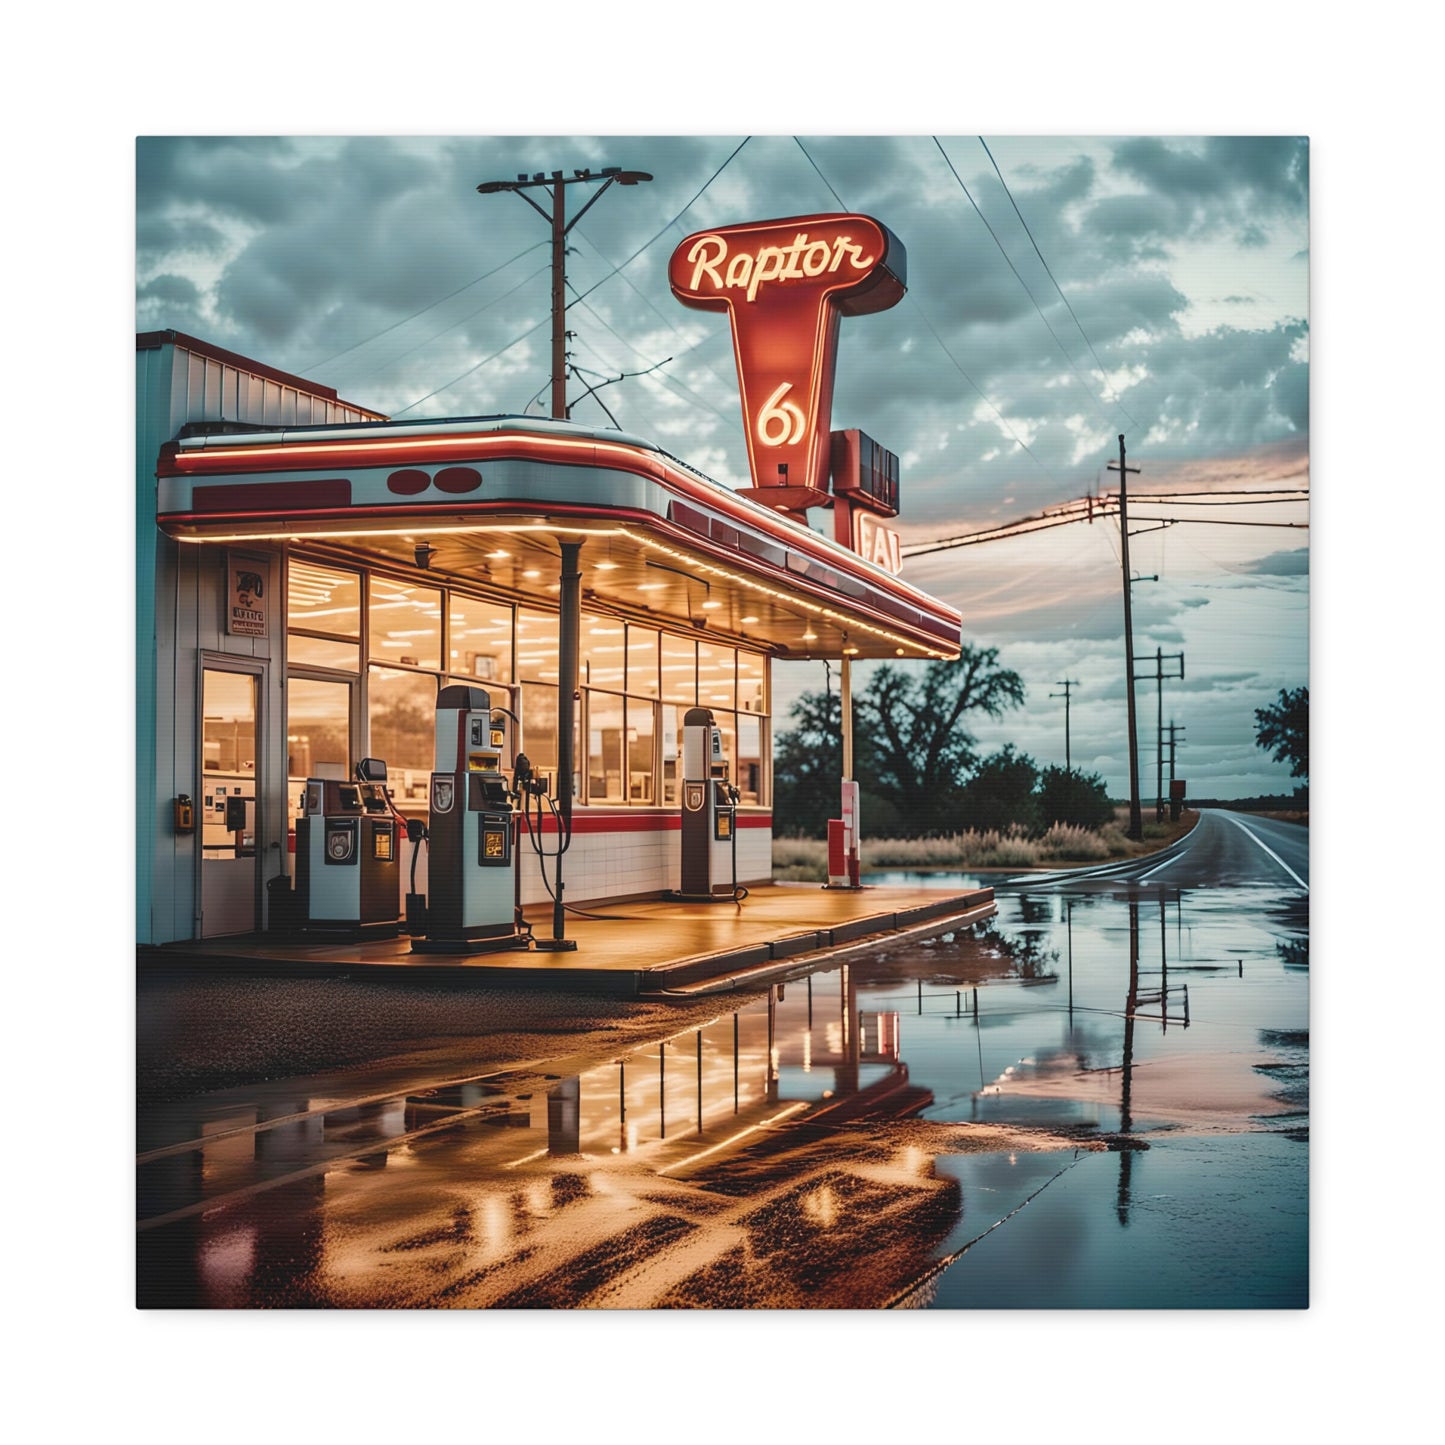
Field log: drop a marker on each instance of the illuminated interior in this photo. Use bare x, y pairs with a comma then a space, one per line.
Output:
365, 652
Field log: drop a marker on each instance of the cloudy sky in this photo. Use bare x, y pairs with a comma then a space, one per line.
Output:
1061, 291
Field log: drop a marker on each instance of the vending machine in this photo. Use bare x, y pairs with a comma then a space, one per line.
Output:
471, 868
347, 879
709, 814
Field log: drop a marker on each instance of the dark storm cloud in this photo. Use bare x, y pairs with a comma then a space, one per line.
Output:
157, 236
1280, 564
377, 252
251, 178
1220, 183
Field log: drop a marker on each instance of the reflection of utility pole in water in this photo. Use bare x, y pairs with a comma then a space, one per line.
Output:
1069, 905
1126, 1103
699, 1081
770, 1085
845, 1072
1160, 995
735, 1062
1163, 967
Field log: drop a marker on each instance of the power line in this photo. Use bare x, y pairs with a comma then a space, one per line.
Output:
669, 225
1102, 368
446, 386
462, 321
923, 316
431, 306
1085, 509
1094, 399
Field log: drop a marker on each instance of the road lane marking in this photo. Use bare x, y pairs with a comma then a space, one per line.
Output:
1145, 877
1254, 837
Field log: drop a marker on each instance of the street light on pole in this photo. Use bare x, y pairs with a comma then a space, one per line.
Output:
556, 218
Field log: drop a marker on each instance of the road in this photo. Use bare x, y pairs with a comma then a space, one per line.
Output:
1223, 849
1100, 1098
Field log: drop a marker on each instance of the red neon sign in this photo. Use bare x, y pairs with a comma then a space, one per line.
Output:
786, 284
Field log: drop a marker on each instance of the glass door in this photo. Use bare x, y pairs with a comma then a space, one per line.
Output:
230, 881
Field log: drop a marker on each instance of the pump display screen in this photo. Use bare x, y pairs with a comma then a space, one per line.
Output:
381, 844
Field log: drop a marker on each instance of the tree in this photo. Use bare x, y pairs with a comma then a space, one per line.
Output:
1000, 794
923, 753
1079, 800
911, 756
1283, 730
808, 766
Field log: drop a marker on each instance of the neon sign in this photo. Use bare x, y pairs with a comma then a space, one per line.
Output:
879, 544
785, 285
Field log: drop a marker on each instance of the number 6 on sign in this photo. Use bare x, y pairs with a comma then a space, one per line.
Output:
780, 423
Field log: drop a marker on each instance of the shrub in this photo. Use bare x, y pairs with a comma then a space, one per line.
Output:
1000, 793
1067, 796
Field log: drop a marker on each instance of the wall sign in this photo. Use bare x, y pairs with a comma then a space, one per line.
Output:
786, 285
246, 597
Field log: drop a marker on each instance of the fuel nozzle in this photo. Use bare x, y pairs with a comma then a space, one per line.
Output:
524, 780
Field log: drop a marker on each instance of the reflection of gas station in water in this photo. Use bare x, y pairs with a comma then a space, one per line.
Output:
810, 1049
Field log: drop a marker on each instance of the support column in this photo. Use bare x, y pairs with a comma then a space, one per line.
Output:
568, 632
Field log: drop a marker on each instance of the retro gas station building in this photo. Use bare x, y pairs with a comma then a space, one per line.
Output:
318, 585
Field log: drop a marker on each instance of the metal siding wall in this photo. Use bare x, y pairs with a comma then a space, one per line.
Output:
152, 397
176, 741
180, 610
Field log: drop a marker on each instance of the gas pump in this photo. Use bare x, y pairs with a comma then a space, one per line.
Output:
472, 868
709, 815
347, 856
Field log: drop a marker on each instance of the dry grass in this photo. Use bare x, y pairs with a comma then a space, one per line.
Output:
805, 860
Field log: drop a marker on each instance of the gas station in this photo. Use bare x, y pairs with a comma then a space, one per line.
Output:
452, 691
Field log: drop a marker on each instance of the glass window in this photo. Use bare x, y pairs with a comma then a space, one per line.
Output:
321, 599
603, 652
642, 657
679, 669
751, 673
303, 651
318, 736
402, 712
716, 687
323, 616
480, 645
406, 623
537, 656
318, 729
727, 725
641, 750
672, 716
606, 749
749, 779
539, 726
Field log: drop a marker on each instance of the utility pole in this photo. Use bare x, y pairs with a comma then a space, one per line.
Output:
556, 218
1068, 762
1136, 821
1159, 675
1174, 731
